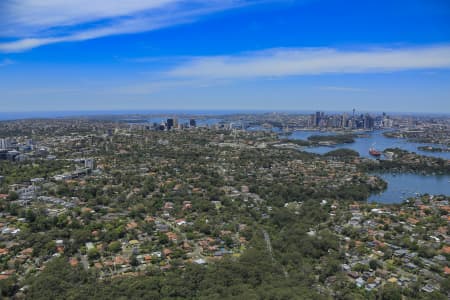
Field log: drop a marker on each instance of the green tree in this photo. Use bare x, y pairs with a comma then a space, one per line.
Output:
114, 246
93, 253
13, 196
390, 292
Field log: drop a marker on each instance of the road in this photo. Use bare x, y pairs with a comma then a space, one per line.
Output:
268, 244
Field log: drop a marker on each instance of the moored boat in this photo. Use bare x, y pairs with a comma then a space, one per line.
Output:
374, 152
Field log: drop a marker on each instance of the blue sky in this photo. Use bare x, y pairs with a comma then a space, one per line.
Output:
225, 54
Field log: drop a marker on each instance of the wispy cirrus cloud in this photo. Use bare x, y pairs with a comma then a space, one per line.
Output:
315, 61
34, 23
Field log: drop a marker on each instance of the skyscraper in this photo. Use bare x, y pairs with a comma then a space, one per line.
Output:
344, 120
368, 121
4, 144
170, 123
317, 119
89, 163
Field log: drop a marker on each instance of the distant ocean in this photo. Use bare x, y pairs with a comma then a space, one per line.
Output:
4, 116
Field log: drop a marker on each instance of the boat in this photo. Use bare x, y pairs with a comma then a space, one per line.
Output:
374, 152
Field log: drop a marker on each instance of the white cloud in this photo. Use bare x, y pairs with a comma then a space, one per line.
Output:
121, 27
314, 61
36, 23
44, 14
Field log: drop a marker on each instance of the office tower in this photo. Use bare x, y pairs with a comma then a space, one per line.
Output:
192, 123
344, 120
170, 123
89, 163
368, 122
317, 119
4, 144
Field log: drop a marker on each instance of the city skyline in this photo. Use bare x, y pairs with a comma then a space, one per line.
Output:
225, 55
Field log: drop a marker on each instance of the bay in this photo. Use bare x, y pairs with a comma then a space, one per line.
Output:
403, 186
362, 145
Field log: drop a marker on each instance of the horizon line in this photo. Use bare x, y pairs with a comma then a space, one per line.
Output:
143, 111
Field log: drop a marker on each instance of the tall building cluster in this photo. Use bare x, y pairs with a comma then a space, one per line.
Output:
173, 123
363, 121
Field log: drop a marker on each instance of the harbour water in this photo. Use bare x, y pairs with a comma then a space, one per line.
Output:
400, 186
404, 186
374, 139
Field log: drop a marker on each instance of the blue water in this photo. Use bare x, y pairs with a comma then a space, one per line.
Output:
375, 139
260, 128
4, 116
400, 186
404, 186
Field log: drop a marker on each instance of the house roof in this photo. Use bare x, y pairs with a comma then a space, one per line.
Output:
447, 270
446, 250
392, 280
